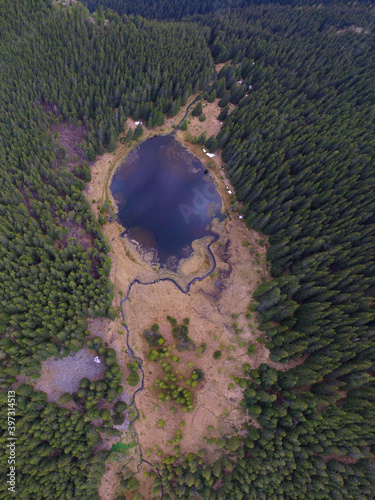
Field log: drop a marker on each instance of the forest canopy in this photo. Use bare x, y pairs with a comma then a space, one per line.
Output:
298, 145
182, 9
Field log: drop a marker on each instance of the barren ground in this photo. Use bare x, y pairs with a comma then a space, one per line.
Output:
211, 125
209, 306
69, 137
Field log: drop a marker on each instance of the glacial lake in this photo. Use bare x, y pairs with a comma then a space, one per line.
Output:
165, 198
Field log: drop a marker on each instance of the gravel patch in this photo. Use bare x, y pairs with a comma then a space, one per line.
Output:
64, 375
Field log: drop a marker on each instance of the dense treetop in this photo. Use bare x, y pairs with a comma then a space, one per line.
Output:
94, 74
179, 9
299, 149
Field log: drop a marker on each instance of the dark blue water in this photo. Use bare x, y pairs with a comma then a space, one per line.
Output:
165, 198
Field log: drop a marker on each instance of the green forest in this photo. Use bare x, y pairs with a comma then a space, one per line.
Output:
299, 149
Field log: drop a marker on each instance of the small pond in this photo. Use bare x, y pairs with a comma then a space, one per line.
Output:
166, 199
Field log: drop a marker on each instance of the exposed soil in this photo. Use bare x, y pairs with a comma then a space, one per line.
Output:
211, 125
221, 65
69, 138
78, 233
209, 306
344, 459
354, 29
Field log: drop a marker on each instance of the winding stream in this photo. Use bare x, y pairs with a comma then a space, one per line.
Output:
131, 351
136, 281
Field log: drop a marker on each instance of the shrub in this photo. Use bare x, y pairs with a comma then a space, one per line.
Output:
211, 96
90, 344
223, 113
153, 356
217, 354
202, 348
84, 383
138, 132
202, 138
251, 349
98, 341
133, 379
197, 110
112, 432
81, 393
129, 135
172, 321
120, 406
242, 383
246, 367
180, 333
118, 419
161, 423
105, 414
234, 443
132, 484
198, 375
65, 398
110, 353
153, 337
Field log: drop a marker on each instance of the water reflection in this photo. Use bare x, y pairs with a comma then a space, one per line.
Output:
165, 199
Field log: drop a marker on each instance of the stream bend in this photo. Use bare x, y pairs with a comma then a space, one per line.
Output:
131, 351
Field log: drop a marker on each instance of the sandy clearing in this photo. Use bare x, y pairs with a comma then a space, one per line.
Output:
211, 125
219, 66
209, 306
